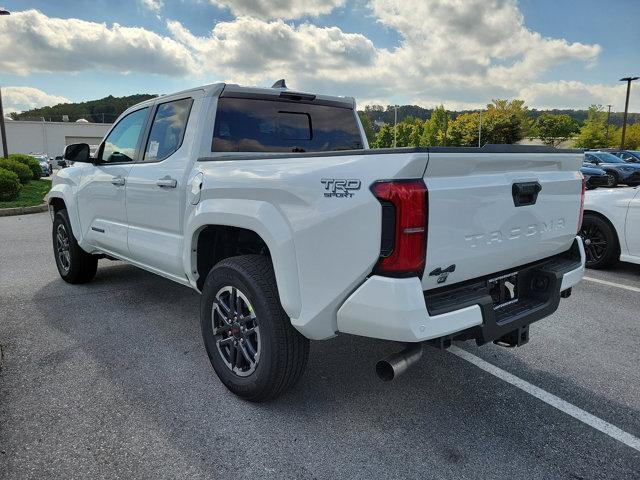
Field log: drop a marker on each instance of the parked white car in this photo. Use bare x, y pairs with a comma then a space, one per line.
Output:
269, 202
611, 226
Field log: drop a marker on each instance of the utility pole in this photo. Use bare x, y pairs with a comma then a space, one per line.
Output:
395, 125
626, 107
608, 118
3, 133
480, 131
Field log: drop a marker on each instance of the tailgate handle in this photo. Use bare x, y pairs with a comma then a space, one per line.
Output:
525, 193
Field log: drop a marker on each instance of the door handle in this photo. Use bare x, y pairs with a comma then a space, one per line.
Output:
167, 182
118, 181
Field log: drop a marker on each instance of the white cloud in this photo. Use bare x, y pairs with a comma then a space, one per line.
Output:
154, 5
471, 43
456, 52
72, 45
572, 94
251, 50
460, 53
284, 9
18, 99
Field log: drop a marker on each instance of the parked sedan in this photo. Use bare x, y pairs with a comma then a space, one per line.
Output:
622, 172
610, 228
43, 160
596, 177
631, 156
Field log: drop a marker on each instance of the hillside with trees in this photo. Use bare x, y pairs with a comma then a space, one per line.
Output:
95, 111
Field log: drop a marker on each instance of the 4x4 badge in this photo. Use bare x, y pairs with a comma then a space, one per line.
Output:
442, 274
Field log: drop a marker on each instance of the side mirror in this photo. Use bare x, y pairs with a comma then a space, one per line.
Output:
77, 152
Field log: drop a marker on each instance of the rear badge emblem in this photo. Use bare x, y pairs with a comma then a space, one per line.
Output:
442, 274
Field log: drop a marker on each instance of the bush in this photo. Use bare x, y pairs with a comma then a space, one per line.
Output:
30, 162
9, 185
23, 172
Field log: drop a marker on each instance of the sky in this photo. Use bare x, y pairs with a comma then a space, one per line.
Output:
459, 53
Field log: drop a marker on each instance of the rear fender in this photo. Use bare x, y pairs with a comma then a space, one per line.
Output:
263, 219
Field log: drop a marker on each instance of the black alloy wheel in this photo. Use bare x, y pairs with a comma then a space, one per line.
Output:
600, 242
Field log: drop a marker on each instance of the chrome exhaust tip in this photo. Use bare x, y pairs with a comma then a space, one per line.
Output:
396, 364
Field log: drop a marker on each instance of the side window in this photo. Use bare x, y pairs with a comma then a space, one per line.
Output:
589, 158
120, 144
167, 130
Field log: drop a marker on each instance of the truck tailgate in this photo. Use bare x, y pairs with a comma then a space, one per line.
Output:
486, 217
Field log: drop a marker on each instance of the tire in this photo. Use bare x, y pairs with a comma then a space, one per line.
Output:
600, 242
74, 264
615, 181
271, 354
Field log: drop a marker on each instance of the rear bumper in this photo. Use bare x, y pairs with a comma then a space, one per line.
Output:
397, 308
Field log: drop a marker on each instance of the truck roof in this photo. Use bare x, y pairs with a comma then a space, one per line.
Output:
235, 90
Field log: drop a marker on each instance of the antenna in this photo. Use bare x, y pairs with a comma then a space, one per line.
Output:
279, 84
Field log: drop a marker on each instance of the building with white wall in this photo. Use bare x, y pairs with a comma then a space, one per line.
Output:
51, 137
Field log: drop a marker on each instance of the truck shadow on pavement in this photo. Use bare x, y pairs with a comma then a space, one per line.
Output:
132, 345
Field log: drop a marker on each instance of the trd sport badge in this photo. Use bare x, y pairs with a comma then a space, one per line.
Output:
339, 187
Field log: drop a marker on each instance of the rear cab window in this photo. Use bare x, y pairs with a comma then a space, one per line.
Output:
260, 125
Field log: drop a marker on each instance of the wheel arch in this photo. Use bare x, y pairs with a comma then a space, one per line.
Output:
254, 224
61, 196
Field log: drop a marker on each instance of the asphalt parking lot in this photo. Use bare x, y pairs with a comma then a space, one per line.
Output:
111, 380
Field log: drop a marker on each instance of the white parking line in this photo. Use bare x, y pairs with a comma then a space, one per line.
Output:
612, 284
549, 398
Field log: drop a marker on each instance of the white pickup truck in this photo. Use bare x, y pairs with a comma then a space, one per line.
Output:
269, 203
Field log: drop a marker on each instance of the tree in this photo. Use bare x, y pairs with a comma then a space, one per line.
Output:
631, 138
367, 126
439, 123
463, 131
505, 121
384, 138
403, 130
553, 129
593, 133
416, 133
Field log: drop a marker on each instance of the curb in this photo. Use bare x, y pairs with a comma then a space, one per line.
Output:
7, 212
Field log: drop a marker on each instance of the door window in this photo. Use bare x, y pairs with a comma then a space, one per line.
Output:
167, 131
120, 144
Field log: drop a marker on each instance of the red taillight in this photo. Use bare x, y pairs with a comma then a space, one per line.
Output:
409, 206
584, 188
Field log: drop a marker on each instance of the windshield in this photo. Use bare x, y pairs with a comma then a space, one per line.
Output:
607, 157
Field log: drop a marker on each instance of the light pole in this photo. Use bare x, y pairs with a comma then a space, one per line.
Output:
626, 108
395, 125
3, 133
480, 131
608, 118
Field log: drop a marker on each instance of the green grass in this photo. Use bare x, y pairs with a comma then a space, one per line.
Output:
31, 194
